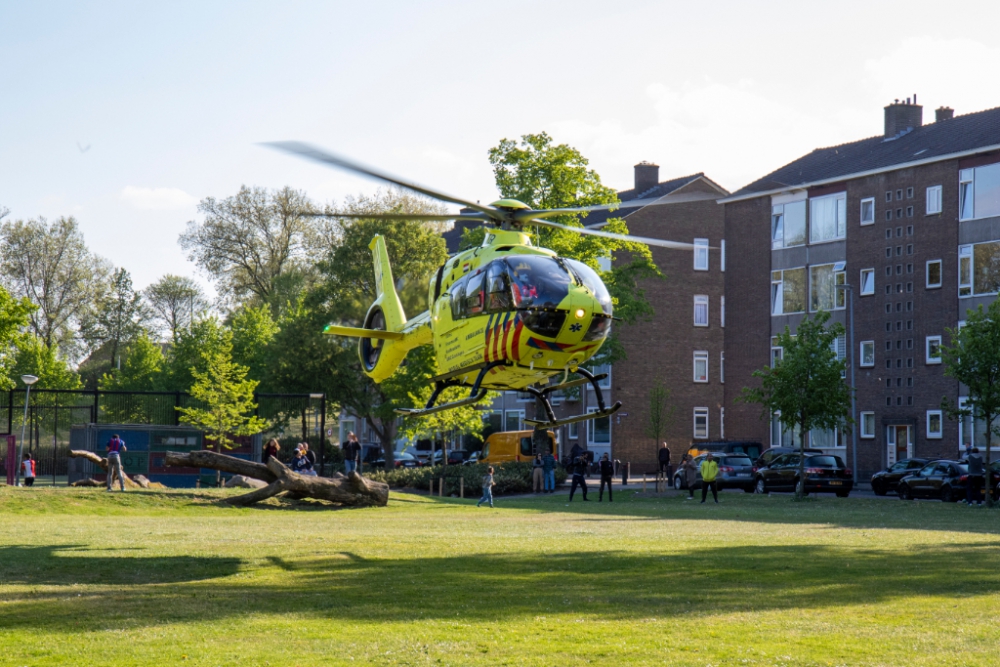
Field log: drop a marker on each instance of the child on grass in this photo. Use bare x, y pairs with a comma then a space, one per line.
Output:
488, 484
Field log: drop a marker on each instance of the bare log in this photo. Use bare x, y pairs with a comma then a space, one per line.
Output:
87, 482
353, 491
103, 463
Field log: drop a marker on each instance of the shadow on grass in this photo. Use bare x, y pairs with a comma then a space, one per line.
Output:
494, 587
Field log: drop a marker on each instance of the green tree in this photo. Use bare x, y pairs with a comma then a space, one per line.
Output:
141, 371
973, 358
189, 352
224, 398
806, 388
661, 413
14, 317
118, 318
175, 302
33, 357
253, 329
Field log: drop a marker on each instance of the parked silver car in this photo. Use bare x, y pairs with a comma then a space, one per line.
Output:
735, 472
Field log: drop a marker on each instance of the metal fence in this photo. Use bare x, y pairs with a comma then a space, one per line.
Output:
52, 412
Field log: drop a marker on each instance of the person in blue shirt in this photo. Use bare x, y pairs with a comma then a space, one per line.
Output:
549, 472
116, 447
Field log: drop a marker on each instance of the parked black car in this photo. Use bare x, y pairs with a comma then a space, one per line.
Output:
735, 472
772, 453
887, 480
824, 473
457, 457
994, 481
945, 480
401, 459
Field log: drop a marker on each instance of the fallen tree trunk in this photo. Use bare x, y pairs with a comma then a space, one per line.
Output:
140, 482
353, 490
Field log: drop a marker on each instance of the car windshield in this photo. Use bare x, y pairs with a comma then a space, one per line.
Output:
537, 281
737, 461
825, 461
589, 279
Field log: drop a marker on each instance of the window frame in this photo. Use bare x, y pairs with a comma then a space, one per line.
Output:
863, 434
722, 312
933, 194
781, 285
965, 256
722, 367
573, 433
699, 355
861, 211
934, 435
928, 360
701, 253
700, 412
839, 278
927, 274
861, 354
591, 428
840, 225
597, 369
520, 419
861, 281
701, 300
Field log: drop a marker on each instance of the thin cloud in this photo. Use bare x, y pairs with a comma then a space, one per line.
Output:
157, 199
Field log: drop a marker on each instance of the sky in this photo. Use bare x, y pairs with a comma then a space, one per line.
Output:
125, 115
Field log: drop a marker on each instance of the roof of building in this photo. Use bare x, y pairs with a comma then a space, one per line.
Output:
661, 189
960, 134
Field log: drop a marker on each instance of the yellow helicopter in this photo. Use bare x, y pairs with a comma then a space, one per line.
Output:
507, 315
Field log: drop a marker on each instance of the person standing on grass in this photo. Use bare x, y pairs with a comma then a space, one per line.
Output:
664, 458
690, 474
271, 449
549, 472
488, 485
28, 469
579, 470
352, 454
709, 471
115, 450
537, 474
976, 473
607, 472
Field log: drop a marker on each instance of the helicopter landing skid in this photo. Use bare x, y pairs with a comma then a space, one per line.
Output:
553, 422
477, 394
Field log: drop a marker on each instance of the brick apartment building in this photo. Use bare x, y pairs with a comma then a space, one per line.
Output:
682, 345
910, 220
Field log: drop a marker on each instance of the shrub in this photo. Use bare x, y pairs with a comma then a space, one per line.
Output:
510, 478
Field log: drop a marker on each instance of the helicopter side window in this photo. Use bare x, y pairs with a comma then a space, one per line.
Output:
474, 295
457, 294
538, 281
498, 287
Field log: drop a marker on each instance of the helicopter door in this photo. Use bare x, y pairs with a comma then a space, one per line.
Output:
475, 297
498, 288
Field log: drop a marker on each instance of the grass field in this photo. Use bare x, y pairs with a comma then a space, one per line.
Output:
148, 578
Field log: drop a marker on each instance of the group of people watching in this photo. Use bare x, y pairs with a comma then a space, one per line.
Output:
304, 460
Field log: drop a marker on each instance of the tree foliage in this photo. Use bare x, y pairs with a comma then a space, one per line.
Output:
190, 352
175, 302
806, 388
118, 317
661, 412
973, 358
14, 317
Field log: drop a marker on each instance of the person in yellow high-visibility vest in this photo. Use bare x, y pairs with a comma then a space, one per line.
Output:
709, 471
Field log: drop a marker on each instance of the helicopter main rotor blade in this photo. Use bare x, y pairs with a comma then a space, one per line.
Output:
313, 153
400, 216
553, 212
609, 235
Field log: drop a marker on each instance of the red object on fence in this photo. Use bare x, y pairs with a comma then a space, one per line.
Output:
11, 460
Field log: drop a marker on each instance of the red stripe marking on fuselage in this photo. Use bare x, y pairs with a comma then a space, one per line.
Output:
515, 345
497, 327
486, 347
506, 332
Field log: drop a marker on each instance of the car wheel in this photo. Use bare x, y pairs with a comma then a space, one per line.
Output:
879, 489
844, 494
761, 486
678, 485
946, 495
904, 492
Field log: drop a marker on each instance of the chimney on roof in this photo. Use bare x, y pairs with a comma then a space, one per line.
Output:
647, 175
903, 116
943, 113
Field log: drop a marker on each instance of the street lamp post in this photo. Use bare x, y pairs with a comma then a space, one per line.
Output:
854, 429
28, 380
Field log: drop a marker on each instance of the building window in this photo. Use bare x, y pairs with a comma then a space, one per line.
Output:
701, 366
867, 282
933, 349
934, 274
574, 430
788, 291
788, 225
933, 199
888, 196
909, 192
888, 233
701, 423
513, 420
722, 311
867, 425
965, 270
828, 218
867, 353
823, 294
934, 424
776, 354
979, 269
909, 211
909, 230
722, 367
899, 195
700, 310
979, 192
602, 369
868, 211
722, 423
722, 255
598, 430
701, 254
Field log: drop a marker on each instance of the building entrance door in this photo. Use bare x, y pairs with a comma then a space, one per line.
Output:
899, 443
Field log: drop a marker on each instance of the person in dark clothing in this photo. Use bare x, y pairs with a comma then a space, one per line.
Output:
607, 472
664, 458
270, 449
579, 470
976, 473
352, 454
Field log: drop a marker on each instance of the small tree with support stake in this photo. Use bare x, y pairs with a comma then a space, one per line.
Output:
806, 388
973, 358
661, 414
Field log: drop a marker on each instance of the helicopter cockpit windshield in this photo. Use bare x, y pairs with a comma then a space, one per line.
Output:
537, 281
589, 279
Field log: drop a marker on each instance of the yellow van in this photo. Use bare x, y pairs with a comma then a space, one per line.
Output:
512, 446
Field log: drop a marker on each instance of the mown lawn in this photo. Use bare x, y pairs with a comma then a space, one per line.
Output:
165, 578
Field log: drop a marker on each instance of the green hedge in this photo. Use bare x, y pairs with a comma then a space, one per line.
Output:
510, 478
